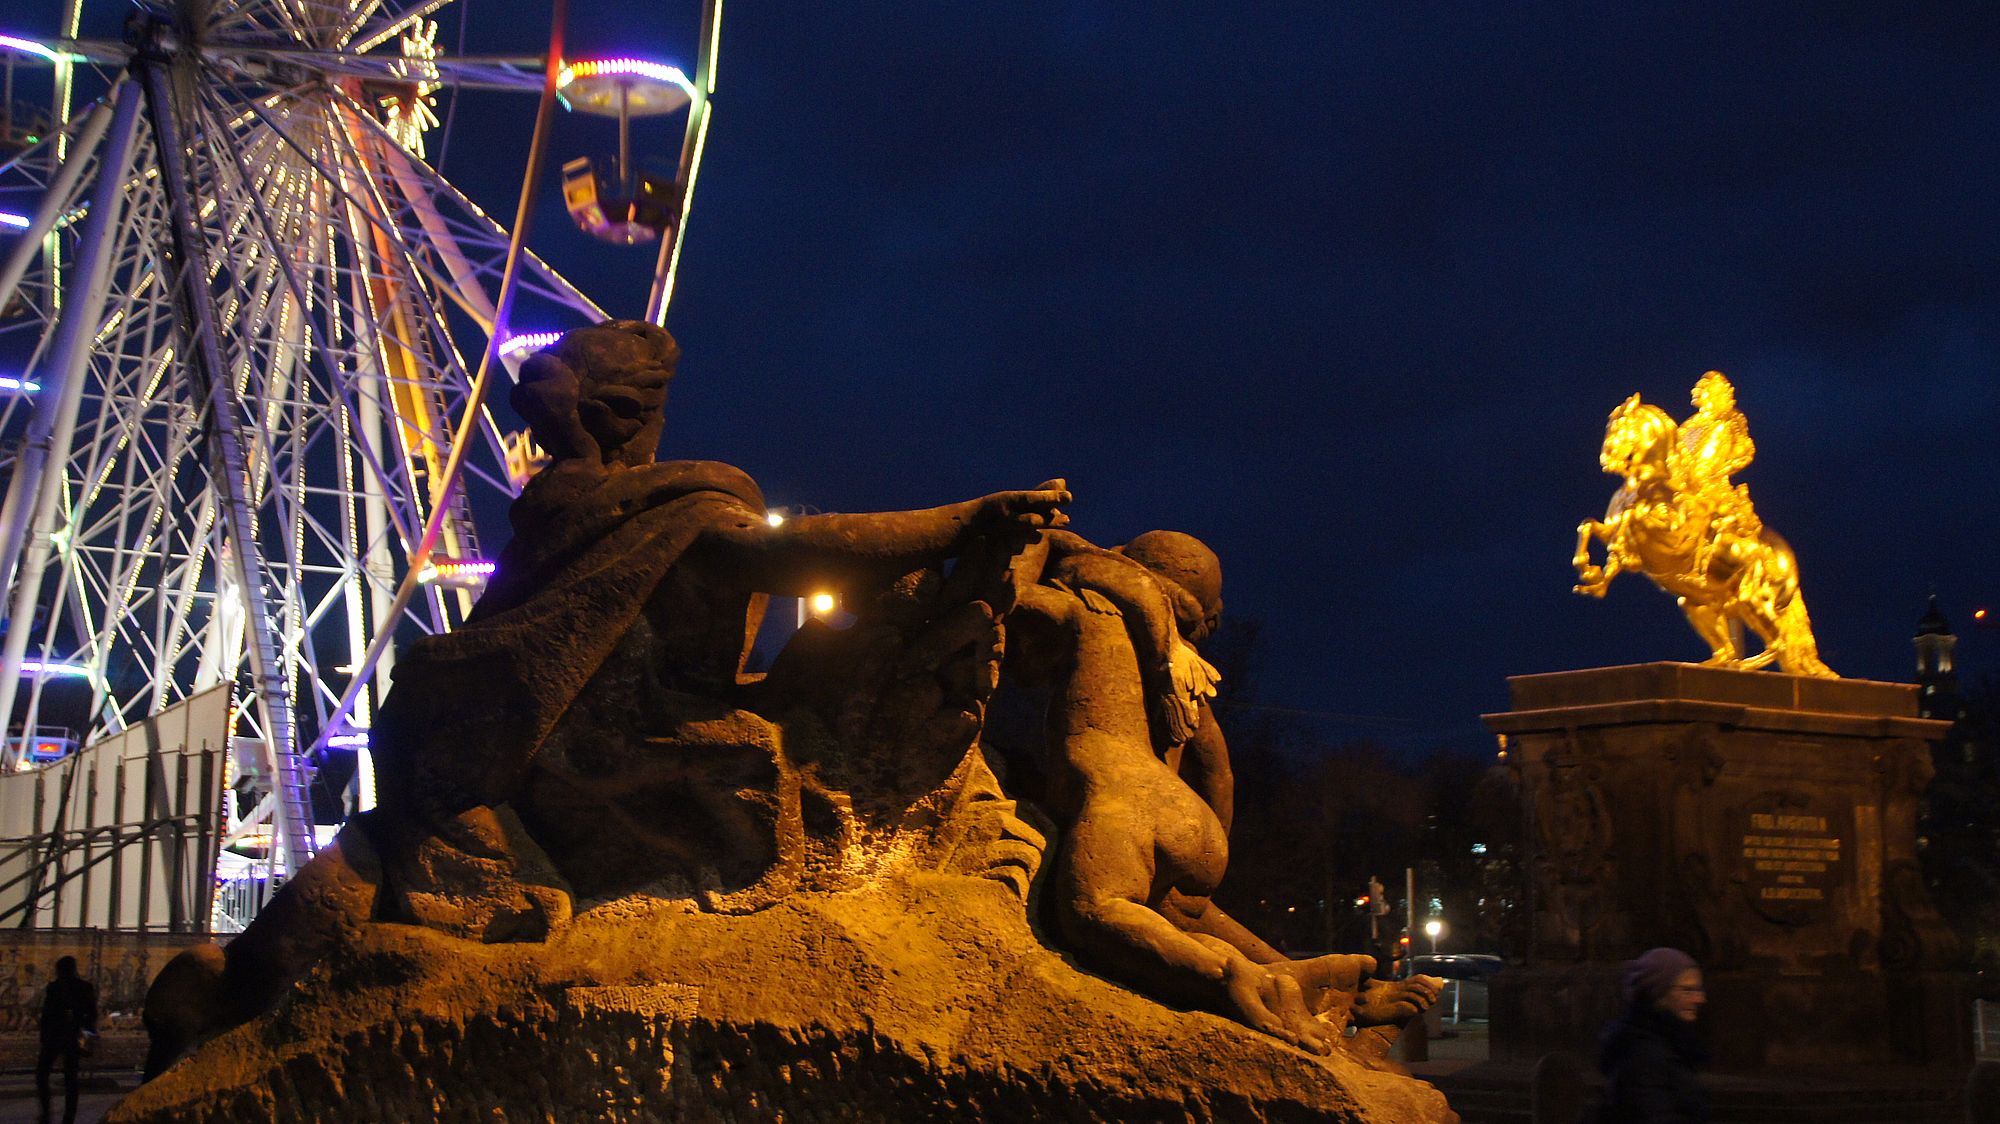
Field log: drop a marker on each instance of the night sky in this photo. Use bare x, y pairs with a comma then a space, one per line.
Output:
1347, 290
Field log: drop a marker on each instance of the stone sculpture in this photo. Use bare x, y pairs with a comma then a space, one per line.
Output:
667, 888
1681, 521
1141, 851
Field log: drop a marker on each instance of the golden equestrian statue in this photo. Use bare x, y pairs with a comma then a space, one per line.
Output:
1679, 520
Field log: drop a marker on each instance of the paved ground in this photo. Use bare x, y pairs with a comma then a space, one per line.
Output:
100, 1091
1465, 1046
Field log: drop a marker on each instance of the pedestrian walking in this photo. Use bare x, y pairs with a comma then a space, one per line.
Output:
1651, 1052
69, 1026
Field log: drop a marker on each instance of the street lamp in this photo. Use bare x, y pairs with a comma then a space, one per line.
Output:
1434, 928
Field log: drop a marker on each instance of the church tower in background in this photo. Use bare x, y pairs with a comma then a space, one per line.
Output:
1937, 683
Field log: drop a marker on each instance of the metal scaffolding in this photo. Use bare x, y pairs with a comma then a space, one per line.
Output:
250, 312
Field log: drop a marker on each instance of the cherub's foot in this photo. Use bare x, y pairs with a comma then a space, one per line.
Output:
1387, 1002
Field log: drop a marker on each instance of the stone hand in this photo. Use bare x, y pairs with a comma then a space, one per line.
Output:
1028, 510
1327, 980
1273, 1004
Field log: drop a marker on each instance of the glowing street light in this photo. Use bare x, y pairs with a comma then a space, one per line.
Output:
824, 603
1434, 928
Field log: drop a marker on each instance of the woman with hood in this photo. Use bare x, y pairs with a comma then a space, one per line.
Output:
1650, 1054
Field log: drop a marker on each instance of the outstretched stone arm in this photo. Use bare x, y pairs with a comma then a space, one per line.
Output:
815, 552
1132, 589
1154, 612
1161, 610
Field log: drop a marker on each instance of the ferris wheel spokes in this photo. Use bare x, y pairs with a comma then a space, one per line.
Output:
274, 390
34, 487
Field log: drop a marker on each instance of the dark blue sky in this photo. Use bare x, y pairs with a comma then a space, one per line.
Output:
1346, 292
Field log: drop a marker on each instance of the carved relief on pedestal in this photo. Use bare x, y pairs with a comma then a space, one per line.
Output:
1687, 912
1574, 835
1914, 935
1906, 769
1695, 756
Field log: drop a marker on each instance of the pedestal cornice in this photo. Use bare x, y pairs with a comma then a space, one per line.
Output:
1680, 692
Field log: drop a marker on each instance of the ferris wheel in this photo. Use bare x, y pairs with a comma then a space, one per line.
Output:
243, 436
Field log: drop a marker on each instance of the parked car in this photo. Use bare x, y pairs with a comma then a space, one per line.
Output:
1466, 974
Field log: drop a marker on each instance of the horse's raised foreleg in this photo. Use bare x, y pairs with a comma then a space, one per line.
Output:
1592, 579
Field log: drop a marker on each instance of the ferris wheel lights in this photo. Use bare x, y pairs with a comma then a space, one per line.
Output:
459, 572
624, 68
57, 669
30, 47
527, 342
356, 740
22, 386
18, 222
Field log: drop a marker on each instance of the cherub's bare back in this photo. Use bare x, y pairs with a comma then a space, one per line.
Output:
1139, 830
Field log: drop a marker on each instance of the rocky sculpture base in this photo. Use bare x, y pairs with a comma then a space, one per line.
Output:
928, 998
617, 876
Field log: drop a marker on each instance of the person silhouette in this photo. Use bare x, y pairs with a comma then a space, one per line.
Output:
69, 1014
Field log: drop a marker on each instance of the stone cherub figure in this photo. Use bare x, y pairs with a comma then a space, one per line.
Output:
1679, 519
586, 733
1141, 849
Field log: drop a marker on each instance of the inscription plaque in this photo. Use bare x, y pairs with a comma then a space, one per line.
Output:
1791, 860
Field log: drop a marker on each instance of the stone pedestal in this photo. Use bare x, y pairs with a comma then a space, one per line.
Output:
1764, 823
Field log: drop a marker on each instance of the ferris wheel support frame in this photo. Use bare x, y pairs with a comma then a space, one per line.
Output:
33, 492
23, 485
61, 196
666, 269
229, 471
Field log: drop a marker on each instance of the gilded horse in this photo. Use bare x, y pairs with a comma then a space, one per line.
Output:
1696, 536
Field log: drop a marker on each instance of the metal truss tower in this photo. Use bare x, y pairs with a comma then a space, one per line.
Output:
246, 315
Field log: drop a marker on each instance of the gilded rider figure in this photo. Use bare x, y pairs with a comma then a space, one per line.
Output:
1681, 521
1714, 446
